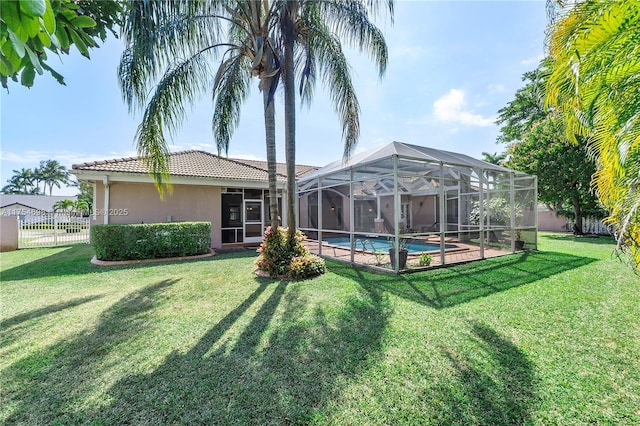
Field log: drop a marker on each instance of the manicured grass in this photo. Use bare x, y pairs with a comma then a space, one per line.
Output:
547, 337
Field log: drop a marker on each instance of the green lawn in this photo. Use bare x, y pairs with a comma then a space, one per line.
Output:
547, 337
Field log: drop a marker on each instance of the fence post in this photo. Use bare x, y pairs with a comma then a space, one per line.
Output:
55, 229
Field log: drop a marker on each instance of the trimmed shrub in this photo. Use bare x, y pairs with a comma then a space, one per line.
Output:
150, 240
306, 266
279, 258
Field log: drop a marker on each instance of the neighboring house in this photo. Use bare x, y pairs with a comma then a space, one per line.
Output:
29, 208
230, 193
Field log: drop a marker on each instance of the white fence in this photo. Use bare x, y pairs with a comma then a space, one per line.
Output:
592, 225
52, 230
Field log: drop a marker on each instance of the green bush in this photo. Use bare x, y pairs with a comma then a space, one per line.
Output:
150, 240
279, 258
306, 266
425, 259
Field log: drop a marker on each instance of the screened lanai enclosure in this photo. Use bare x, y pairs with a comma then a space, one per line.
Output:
429, 206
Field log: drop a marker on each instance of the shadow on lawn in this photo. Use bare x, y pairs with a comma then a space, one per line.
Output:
44, 385
76, 260
599, 240
496, 381
285, 378
281, 369
442, 288
26, 316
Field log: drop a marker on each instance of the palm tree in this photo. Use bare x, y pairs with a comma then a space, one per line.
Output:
66, 206
173, 43
494, 158
80, 207
53, 174
306, 32
22, 179
594, 84
12, 187
38, 177
311, 34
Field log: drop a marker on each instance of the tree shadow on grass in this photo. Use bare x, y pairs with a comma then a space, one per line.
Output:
41, 386
283, 374
11, 327
446, 287
495, 382
283, 367
75, 260
46, 310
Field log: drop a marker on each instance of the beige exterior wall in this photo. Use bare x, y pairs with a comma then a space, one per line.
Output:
140, 203
424, 212
8, 233
548, 221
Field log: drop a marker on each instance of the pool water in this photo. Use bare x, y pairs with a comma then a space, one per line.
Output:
381, 244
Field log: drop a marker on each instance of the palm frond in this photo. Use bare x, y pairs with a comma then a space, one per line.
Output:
155, 34
351, 22
596, 86
336, 75
181, 85
231, 91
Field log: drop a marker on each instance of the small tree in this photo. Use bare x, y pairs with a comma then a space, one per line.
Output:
564, 169
65, 206
85, 193
538, 145
80, 207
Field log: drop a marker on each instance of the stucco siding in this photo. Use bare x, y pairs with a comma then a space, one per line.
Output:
549, 221
8, 233
141, 203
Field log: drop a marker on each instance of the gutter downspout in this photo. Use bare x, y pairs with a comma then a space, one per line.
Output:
105, 182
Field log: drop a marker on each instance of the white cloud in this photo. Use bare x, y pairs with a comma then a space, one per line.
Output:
64, 157
453, 108
179, 147
243, 156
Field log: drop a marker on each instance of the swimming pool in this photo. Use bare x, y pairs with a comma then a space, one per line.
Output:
381, 244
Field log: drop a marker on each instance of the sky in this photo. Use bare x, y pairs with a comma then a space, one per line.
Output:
452, 66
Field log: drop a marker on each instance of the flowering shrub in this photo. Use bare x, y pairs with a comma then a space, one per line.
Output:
278, 257
306, 266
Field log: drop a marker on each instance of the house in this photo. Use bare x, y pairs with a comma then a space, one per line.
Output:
29, 208
230, 193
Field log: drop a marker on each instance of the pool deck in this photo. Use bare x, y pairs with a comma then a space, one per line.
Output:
463, 253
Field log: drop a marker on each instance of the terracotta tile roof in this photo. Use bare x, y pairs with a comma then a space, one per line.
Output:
198, 164
281, 168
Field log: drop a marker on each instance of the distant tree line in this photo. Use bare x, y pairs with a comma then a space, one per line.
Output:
38, 180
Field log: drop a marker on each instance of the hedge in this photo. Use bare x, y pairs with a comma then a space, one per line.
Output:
150, 240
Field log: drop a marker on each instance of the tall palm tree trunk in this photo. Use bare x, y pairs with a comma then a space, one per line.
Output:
289, 38
270, 137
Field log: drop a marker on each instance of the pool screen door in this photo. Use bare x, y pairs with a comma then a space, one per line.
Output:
253, 221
